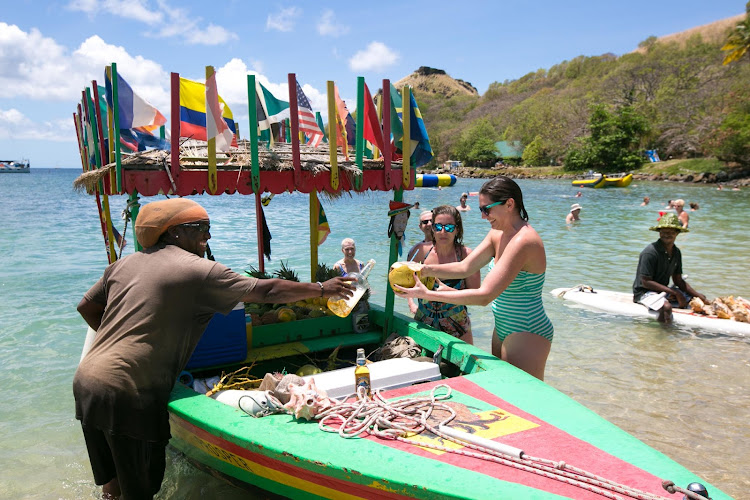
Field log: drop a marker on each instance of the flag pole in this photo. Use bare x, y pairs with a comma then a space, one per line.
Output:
211, 143
174, 148
253, 118
116, 127
386, 118
112, 254
359, 137
294, 122
332, 136
406, 141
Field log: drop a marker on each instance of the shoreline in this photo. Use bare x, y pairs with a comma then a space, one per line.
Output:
734, 177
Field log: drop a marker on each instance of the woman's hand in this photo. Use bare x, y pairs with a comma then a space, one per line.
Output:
418, 291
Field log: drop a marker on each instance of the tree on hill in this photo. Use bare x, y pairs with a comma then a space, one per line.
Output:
476, 146
614, 143
738, 42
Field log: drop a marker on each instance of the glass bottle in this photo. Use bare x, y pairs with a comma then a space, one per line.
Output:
362, 374
341, 306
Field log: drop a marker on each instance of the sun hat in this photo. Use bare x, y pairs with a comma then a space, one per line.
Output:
669, 221
158, 216
574, 207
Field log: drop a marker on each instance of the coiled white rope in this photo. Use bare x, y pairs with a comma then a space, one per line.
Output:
399, 419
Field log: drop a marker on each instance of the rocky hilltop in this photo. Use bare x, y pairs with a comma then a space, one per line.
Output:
431, 81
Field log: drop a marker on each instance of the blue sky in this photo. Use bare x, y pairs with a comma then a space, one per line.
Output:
50, 50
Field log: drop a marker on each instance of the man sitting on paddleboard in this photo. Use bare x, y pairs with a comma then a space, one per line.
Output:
658, 262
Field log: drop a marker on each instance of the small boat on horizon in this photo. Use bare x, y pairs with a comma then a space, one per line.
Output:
15, 167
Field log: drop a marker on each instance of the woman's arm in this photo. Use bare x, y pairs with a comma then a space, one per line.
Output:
473, 280
511, 262
470, 265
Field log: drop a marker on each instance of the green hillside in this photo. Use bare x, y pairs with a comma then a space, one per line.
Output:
673, 95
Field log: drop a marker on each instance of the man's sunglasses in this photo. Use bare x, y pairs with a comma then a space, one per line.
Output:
485, 209
425, 222
203, 227
449, 228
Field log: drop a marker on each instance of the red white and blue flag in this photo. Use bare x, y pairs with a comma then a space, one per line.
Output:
307, 123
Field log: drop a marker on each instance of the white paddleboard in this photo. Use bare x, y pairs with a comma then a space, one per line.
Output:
622, 304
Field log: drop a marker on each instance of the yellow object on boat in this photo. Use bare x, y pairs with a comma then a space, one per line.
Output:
618, 180
595, 180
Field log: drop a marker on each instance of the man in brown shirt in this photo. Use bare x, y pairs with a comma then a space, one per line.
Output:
149, 310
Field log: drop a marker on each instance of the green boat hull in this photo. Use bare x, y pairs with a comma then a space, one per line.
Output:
493, 400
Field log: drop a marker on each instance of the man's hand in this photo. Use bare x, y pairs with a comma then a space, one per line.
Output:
340, 285
680, 299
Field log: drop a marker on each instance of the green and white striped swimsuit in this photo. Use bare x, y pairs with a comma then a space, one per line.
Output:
519, 308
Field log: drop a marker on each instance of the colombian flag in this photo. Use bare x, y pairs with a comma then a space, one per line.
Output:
323, 228
193, 111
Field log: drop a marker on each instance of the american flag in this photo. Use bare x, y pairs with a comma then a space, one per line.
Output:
307, 123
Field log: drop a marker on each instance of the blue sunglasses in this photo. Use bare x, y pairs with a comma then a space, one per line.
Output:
449, 228
485, 209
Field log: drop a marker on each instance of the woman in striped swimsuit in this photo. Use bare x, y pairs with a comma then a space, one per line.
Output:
515, 252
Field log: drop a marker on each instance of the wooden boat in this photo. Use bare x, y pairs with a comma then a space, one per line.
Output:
592, 180
538, 429
622, 304
435, 180
618, 180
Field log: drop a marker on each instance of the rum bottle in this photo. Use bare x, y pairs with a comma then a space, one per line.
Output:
362, 374
343, 307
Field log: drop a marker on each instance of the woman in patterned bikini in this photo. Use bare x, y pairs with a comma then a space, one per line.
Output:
448, 247
523, 332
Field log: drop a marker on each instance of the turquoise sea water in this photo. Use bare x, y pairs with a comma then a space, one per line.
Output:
682, 391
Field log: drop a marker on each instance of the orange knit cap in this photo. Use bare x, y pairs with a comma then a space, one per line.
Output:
158, 216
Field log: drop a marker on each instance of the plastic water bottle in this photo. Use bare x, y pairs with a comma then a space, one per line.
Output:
362, 374
343, 307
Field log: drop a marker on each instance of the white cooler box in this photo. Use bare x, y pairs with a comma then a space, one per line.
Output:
387, 374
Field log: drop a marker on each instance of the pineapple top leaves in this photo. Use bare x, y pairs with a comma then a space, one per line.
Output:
286, 273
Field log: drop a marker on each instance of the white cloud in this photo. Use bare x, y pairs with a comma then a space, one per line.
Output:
15, 125
38, 68
168, 21
182, 23
283, 20
137, 10
377, 56
327, 25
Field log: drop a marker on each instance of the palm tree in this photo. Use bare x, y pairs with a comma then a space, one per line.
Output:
739, 39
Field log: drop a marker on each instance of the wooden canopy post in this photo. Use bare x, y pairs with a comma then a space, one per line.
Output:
314, 211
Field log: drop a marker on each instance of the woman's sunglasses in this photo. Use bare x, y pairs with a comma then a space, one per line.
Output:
485, 209
203, 227
449, 228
